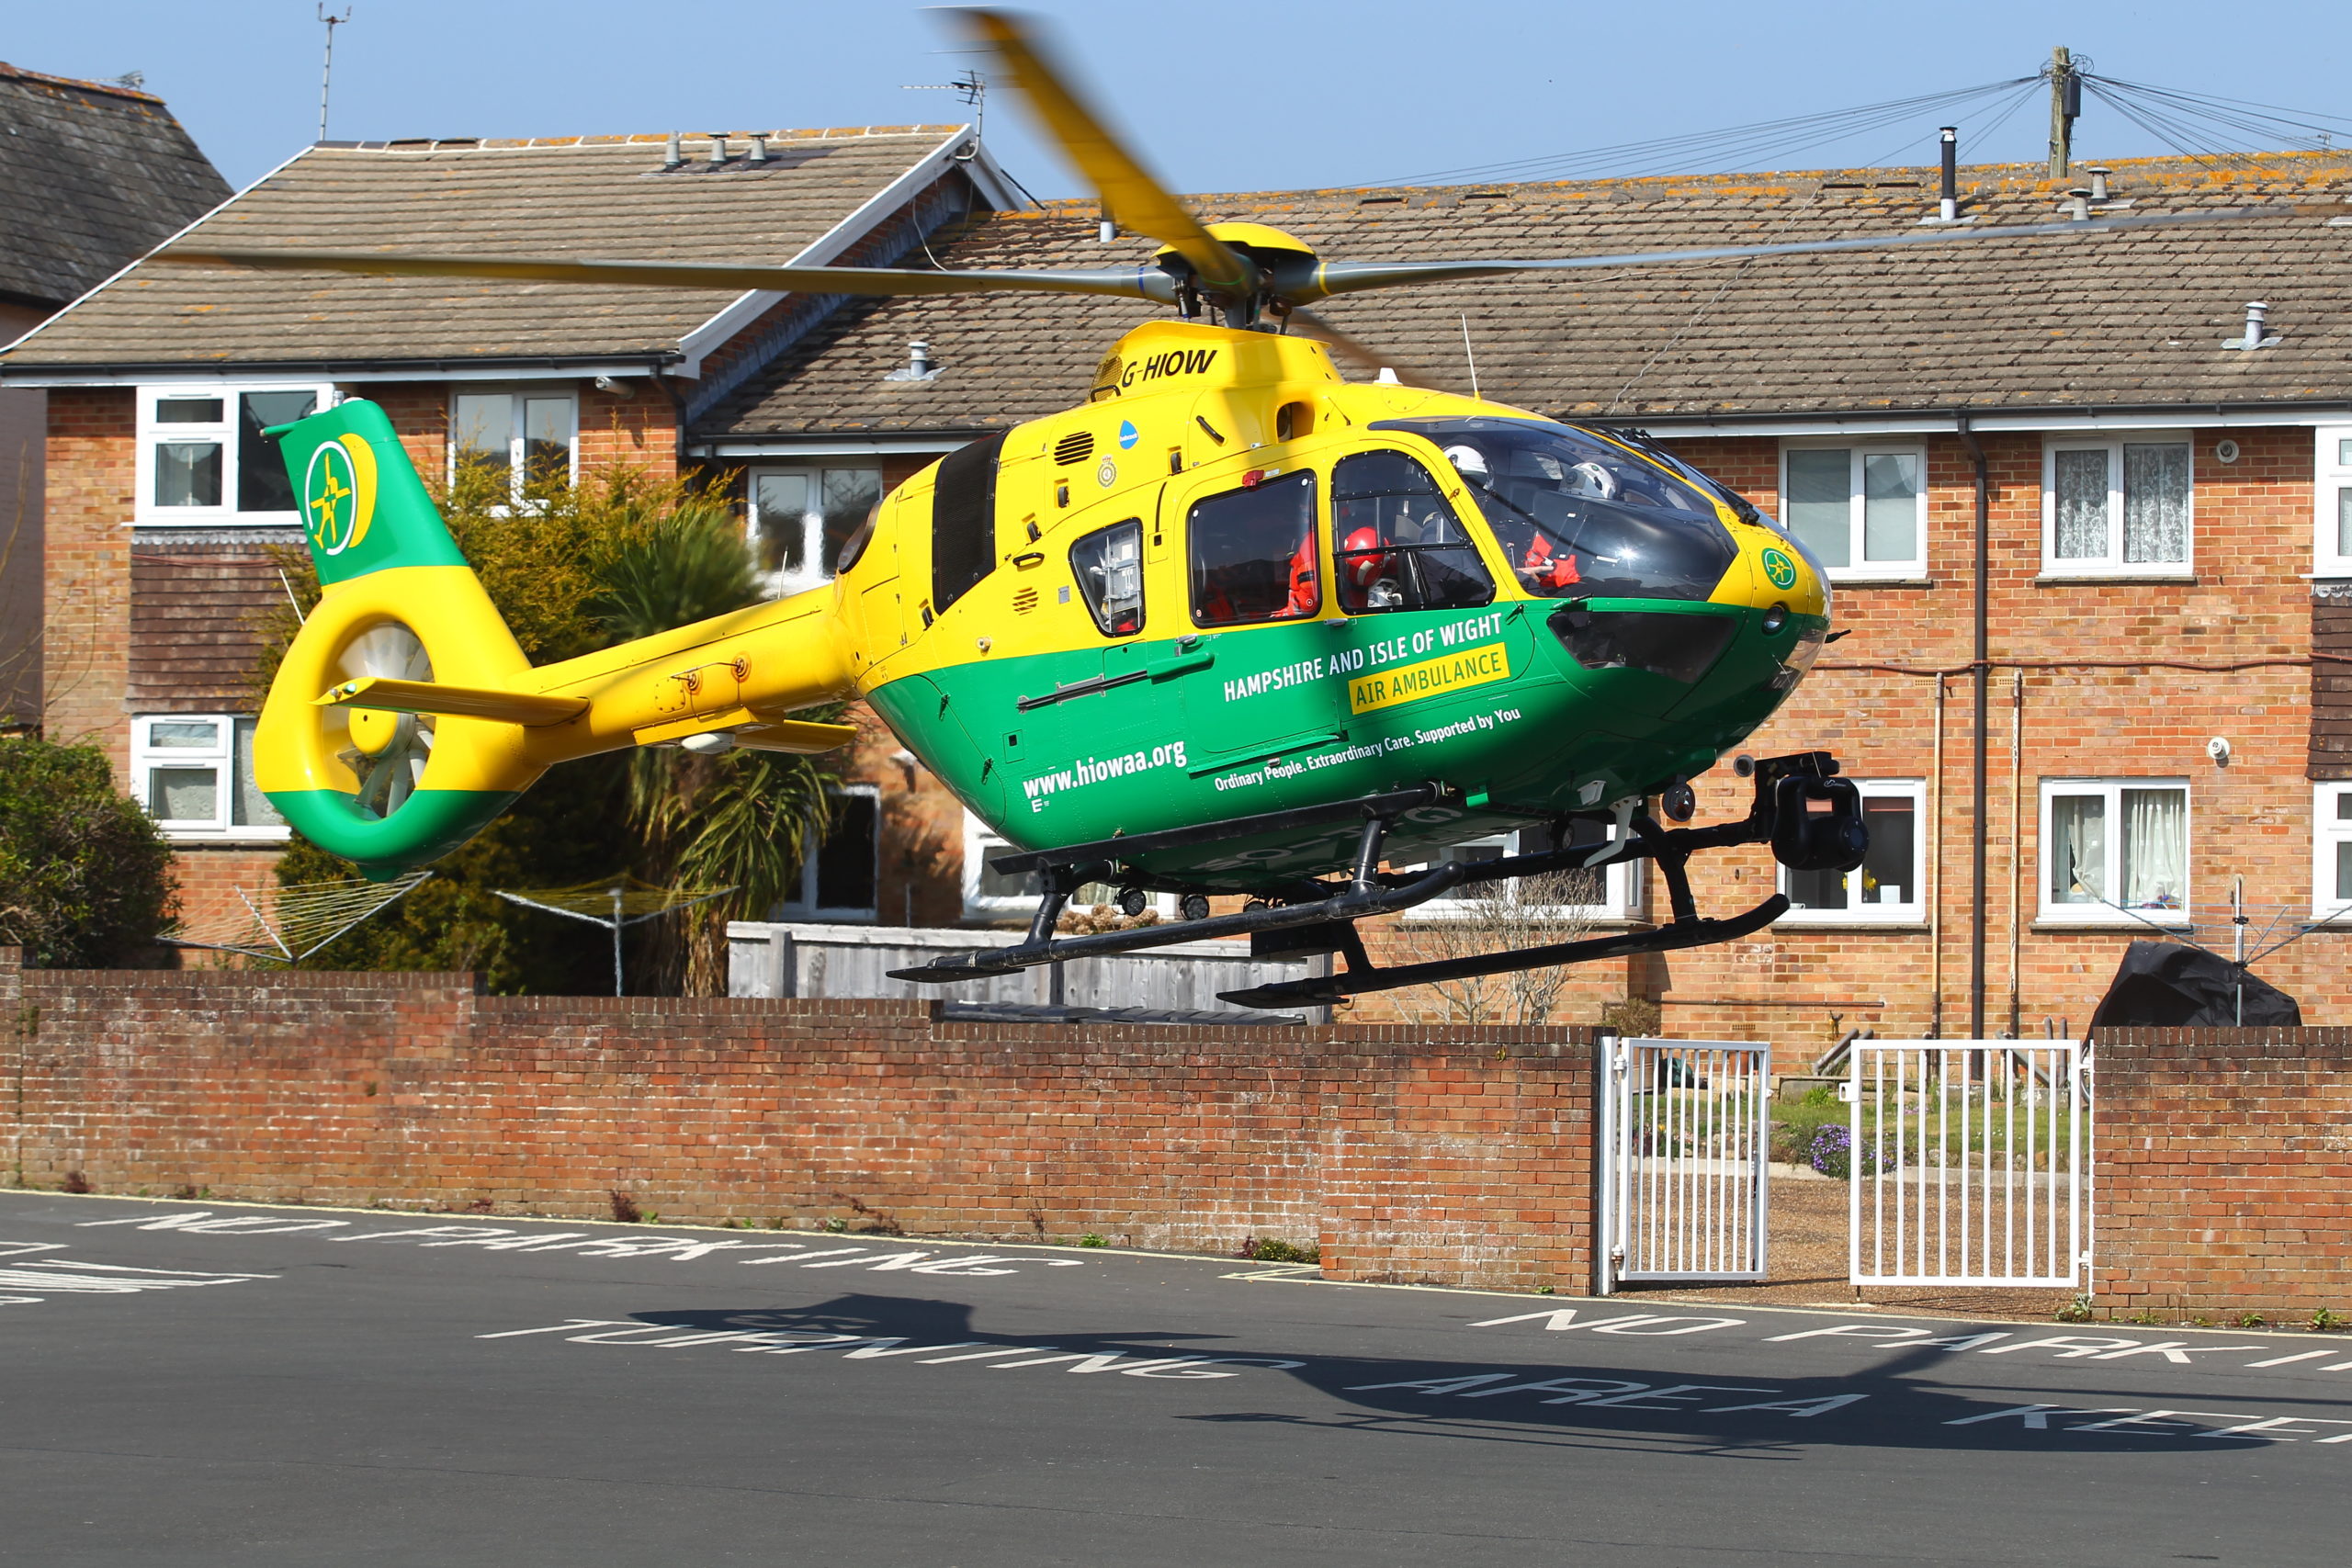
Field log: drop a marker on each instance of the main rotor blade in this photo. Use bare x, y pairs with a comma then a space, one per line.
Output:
1134, 283
1306, 323
1350, 277
1127, 189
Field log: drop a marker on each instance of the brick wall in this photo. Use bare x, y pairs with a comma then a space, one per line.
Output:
86, 568
2224, 1171
1443, 1156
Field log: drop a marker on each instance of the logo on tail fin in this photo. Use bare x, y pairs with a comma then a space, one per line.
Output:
339, 493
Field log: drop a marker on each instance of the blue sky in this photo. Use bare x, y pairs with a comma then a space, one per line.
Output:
1342, 93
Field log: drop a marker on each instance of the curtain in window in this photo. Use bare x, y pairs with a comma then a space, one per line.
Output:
2343, 520
2078, 848
1891, 506
1821, 503
2082, 505
2155, 849
2155, 502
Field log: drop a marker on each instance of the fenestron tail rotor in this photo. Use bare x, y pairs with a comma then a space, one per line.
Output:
387, 750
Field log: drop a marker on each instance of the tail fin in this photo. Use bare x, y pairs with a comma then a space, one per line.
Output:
391, 787
363, 506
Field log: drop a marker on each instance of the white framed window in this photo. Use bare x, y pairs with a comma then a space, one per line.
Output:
194, 772
1615, 890
2332, 499
529, 437
202, 457
801, 517
990, 894
2122, 508
840, 878
1862, 511
1890, 886
2332, 852
2114, 851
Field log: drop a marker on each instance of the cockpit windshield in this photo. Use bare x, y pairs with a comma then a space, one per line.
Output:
1579, 517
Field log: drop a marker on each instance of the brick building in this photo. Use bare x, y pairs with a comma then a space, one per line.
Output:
164, 501
92, 175
2163, 548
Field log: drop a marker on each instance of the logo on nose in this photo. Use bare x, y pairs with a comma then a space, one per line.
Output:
1780, 569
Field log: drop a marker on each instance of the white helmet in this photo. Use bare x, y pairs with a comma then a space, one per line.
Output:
1469, 461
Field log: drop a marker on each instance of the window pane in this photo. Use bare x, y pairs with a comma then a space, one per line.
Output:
1108, 565
187, 410
1816, 889
2344, 872
1397, 543
261, 481
849, 496
1891, 506
188, 473
1889, 868
202, 734
2344, 454
845, 860
1821, 506
184, 795
1253, 554
485, 430
783, 503
994, 884
547, 442
2082, 506
248, 806
2155, 849
2078, 848
2344, 806
2343, 520
2156, 503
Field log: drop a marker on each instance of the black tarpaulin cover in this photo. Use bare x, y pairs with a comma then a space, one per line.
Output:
2164, 984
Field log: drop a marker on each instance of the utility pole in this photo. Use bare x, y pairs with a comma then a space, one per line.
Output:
326, 72
2065, 108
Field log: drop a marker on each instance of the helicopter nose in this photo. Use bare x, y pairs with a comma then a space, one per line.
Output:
1682, 646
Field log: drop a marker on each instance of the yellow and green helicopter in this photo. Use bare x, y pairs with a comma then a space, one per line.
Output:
1233, 624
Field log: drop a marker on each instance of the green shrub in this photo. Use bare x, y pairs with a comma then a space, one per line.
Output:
85, 877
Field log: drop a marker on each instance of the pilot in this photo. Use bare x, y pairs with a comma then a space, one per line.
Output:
1545, 565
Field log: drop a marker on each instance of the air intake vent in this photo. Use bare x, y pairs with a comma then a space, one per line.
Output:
1075, 447
1025, 601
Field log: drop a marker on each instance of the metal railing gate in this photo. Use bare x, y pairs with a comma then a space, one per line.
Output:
1685, 1140
1967, 1161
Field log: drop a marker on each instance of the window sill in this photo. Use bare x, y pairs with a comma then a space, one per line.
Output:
1879, 579
247, 839
2123, 579
1909, 926
2048, 924
1425, 918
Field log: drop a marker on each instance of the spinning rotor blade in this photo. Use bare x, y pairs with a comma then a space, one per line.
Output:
1133, 283
1350, 277
1127, 189
1306, 323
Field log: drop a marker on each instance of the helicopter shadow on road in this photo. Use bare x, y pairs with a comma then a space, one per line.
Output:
1560, 1403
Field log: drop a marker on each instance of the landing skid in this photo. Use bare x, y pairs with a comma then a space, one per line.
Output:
1788, 806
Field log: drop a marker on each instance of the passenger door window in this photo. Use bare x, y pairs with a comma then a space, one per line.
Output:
1253, 554
1395, 543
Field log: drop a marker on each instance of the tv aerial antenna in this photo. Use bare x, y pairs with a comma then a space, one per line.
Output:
326, 71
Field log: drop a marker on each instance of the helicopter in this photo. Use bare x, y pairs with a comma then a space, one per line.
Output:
1233, 624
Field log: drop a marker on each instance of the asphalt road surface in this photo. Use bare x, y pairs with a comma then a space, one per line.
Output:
192, 1383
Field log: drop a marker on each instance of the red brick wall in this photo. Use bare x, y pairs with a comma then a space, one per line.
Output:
1458, 1156
2224, 1171
91, 470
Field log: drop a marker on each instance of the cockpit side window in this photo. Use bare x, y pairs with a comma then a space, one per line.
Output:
1108, 565
963, 521
1579, 517
1253, 554
1397, 544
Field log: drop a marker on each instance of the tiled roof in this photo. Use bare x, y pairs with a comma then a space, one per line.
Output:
2126, 319
91, 175
579, 196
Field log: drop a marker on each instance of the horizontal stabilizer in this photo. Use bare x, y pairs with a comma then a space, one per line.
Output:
460, 702
799, 736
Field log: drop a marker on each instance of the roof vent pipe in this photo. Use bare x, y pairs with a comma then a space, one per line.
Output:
670, 156
919, 358
2257, 313
759, 154
2078, 205
1948, 193
1106, 231
717, 148
2098, 183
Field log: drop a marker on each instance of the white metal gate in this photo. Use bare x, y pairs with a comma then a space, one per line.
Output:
1685, 1142
1967, 1160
